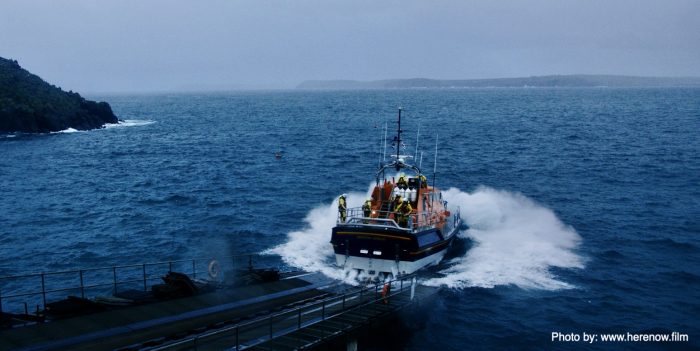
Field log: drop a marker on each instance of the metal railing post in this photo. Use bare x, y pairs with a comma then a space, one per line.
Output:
82, 286
271, 326
145, 284
299, 318
114, 277
43, 290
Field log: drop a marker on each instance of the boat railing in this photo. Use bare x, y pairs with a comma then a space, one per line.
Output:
28, 291
374, 222
415, 221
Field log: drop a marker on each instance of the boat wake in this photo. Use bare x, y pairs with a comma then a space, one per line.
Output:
516, 242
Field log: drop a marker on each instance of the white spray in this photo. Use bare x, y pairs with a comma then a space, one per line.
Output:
310, 248
516, 241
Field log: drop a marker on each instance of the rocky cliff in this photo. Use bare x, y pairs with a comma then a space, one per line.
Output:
30, 105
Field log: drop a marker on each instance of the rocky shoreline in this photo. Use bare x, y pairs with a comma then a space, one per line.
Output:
28, 104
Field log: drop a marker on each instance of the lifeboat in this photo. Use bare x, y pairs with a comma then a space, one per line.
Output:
404, 226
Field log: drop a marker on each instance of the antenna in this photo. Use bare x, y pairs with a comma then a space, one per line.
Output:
415, 156
398, 138
386, 128
420, 164
435, 162
381, 143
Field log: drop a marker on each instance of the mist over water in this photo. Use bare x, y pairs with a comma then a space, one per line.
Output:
516, 241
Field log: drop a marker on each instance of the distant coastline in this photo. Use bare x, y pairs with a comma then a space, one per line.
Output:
578, 80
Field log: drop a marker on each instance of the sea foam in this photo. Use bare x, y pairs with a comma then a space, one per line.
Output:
309, 248
129, 123
68, 130
516, 242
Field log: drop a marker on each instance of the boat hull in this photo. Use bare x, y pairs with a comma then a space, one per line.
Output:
375, 251
374, 267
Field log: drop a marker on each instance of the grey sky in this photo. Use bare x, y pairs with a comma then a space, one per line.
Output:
139, 45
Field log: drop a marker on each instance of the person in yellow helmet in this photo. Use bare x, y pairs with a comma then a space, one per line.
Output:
396, 203
343, 208
402, 183
423, 181
367, 208
402, 213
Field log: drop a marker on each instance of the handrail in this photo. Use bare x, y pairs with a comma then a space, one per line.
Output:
25, 275
235, 329
106, 276
374, 222
355, 216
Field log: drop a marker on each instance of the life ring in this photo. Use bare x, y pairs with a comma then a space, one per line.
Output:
214, 269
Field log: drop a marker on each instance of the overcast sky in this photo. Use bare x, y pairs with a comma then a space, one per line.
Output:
141, 45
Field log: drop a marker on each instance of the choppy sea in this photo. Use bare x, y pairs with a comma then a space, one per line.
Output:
582, 205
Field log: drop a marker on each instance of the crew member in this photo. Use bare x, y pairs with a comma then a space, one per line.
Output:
367, 208
396, 203
342, 208
423, 181
403, 212
402, 183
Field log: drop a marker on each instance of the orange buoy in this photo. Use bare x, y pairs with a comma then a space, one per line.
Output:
386, 290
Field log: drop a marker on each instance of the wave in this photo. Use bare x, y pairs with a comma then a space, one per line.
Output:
309, 248
68, 130
121, 123
129, 123
670, 244
516, 242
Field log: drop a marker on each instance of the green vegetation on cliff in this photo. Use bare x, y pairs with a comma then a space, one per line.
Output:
30, 105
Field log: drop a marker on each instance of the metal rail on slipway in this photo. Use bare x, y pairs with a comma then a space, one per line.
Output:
372, 301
